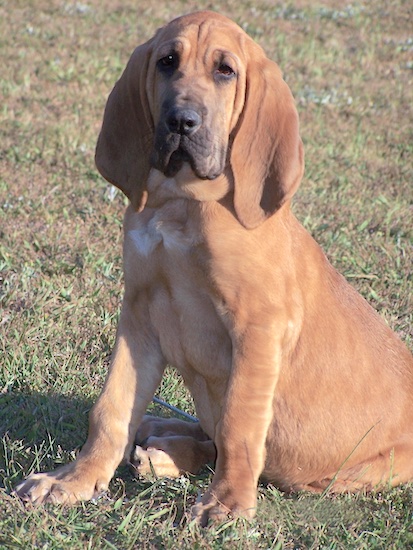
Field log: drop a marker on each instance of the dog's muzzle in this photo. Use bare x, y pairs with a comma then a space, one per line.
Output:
182, 136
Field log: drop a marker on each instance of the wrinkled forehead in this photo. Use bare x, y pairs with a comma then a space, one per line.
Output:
198, 36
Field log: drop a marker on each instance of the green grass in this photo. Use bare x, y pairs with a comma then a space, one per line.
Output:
350, 69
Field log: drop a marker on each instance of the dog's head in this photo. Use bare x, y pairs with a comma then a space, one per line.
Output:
202, 93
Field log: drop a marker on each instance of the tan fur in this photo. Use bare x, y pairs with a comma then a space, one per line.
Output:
294, 377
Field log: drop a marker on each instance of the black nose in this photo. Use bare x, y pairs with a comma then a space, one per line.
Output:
183, 121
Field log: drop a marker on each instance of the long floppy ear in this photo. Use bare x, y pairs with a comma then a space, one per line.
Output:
267, 157
125, 140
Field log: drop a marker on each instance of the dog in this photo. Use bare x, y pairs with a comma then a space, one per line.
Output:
295, 378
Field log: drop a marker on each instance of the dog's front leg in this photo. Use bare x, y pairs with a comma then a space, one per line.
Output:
134, 374
242, 431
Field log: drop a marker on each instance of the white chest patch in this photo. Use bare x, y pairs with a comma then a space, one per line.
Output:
147, 235
145, 239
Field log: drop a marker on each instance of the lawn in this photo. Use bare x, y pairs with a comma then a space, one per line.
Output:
350, 67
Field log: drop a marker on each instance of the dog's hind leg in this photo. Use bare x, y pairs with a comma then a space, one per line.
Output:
169, 447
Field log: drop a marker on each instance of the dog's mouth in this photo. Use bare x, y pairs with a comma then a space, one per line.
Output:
175, 162
170, 163
172, 151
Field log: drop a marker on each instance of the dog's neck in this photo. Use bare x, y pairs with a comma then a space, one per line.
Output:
185, 184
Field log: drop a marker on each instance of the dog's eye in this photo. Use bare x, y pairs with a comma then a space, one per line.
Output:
225, 70
169, 62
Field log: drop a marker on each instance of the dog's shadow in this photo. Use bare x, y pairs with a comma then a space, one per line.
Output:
36, 417
39, 431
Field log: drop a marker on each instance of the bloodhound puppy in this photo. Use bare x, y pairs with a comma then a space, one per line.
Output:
295, 378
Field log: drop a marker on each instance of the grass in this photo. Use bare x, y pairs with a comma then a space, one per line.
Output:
350, 69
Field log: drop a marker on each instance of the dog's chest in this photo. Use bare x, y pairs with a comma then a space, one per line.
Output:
164, 254
168, 235
165, 258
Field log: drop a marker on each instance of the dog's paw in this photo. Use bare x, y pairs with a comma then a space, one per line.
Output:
66, 485
219, 506
153, 461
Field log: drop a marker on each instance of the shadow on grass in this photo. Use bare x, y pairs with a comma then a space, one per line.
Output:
39, 432
36, 417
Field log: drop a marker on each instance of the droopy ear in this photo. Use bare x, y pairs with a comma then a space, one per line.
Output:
267, 155
125, 140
